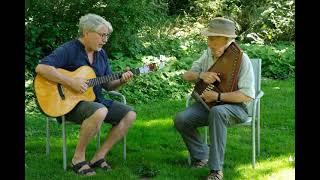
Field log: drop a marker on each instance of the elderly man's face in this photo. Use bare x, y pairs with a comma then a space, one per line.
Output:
217, 44
95, 40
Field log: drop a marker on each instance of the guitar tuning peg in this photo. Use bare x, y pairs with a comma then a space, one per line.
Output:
162, 62
161, 57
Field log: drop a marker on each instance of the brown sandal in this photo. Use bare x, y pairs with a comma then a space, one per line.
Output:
76, 168
215, 175
98, 164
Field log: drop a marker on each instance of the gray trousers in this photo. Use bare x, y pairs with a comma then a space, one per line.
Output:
218, 119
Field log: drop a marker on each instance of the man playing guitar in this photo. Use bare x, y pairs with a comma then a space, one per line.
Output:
86, 50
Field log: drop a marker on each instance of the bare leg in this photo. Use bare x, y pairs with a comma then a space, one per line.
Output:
115, 134
88, 129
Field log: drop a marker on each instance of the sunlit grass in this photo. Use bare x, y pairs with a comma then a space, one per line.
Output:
155, 149
156, 122
269, 168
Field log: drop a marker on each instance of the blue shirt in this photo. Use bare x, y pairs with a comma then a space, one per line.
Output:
71, 55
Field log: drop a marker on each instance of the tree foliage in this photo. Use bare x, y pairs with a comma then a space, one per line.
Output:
264, 20
151, 28
51, 23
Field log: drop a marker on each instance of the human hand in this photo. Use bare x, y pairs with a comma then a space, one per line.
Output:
126, 76
79, 84
209, 96
209, 77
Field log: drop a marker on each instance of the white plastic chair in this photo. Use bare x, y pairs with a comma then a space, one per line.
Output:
64, 139
253, 112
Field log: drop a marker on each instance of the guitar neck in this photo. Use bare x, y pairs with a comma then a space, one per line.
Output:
111, 77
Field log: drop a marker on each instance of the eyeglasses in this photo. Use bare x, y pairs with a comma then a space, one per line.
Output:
104, 36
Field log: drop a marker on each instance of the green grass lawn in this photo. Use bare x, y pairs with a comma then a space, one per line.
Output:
156, 150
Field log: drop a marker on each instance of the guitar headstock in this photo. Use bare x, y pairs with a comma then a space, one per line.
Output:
147, 68
152, 66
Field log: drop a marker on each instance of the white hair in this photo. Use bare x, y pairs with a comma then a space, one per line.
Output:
92, 22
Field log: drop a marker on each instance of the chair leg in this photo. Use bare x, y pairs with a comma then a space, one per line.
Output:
253, 143
124, 147
124, 137
48, 137
98, 138
206, 135
258, 128
189, 159
64, 146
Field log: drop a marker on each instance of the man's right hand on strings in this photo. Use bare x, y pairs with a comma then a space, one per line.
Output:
209, 77
79, 84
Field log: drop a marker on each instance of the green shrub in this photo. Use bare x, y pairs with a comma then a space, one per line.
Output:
156, 86
167, 83
278, 61
270, 20
143, 29
277, 22
51, 23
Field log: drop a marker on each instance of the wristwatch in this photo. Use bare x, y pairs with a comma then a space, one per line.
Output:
219, 96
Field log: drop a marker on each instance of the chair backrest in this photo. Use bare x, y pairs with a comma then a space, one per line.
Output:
256, 64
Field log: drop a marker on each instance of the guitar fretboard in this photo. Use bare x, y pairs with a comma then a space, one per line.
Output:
111, 77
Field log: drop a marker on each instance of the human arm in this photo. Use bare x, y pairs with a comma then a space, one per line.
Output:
207, 77
245, 92
52, 74
199, 70
60, 58
228, 97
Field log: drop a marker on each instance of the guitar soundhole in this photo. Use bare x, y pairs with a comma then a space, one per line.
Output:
60, 90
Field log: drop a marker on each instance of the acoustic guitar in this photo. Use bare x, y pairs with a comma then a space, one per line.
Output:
56, 100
